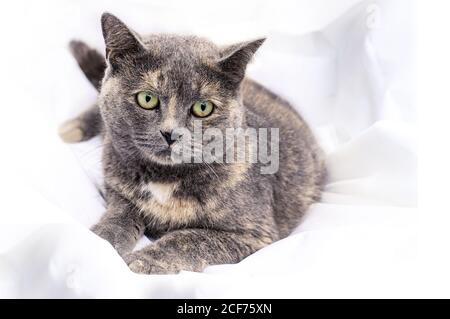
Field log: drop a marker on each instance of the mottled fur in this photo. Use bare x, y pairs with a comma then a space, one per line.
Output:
200, 214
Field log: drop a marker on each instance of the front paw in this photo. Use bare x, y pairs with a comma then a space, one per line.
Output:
115, 236
142, 263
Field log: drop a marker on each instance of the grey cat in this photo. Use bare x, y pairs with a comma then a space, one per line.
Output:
199, 214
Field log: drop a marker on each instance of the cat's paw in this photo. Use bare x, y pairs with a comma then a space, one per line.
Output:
121, 241
71, 131
141, 263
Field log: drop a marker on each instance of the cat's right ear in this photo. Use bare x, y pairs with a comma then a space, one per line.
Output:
235, 58
120, 41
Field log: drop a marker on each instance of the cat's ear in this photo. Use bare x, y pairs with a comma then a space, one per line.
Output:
120, 41
235, 58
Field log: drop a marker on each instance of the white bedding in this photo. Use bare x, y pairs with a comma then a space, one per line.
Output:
345, 65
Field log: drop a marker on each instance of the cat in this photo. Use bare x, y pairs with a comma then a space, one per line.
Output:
199, 214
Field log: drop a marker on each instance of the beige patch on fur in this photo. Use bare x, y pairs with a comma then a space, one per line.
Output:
162, 192
173, 211
151, 79
163, 206
170, 122
238, 173
209, 89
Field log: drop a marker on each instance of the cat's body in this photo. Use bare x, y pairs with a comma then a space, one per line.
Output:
201, 214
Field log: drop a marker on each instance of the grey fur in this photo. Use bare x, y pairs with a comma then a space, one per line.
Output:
212, 214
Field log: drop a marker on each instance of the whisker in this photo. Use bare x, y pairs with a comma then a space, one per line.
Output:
211, 169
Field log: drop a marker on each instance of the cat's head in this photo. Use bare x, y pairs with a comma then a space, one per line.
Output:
158, 83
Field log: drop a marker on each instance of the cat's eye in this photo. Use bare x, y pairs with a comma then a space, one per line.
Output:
147, 100
202, 108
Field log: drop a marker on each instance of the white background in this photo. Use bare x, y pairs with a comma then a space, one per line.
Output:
35, 67
434, 156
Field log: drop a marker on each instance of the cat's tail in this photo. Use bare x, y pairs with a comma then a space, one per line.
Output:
91, 62
89, 123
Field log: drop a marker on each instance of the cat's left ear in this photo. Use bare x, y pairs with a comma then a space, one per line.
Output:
235, 58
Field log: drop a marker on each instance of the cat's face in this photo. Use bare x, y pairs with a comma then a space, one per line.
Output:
161, 83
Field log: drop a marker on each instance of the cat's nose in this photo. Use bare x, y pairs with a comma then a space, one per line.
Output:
167, 135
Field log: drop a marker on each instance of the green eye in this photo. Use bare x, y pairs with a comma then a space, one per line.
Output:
147, 100
202, 108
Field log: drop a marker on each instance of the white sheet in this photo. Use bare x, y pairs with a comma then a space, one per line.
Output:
347, 69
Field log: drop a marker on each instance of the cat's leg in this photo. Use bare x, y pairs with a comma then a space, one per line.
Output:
122, 225
82, 128
193, 250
